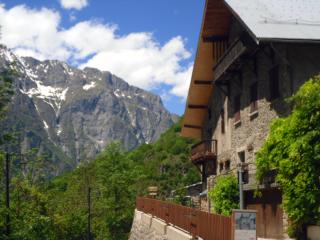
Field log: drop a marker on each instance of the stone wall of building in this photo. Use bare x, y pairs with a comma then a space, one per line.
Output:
297, 63
147, 227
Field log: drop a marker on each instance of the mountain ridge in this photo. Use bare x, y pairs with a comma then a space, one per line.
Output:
72, 114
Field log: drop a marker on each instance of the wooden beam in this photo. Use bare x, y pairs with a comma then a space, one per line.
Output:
221, 82
193, 106
202, 82
192, 126
215, 38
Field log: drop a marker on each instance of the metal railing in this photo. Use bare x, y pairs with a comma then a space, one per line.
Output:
196, 223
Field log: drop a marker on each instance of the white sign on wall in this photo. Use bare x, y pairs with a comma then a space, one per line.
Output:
244, 225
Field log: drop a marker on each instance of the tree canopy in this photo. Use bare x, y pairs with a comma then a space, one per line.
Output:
58, 209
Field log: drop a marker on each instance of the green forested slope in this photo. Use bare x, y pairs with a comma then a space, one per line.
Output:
59, 209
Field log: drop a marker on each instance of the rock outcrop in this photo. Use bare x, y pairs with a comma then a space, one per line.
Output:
72, 114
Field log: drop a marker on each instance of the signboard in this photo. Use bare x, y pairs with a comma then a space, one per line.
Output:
244, 225
153, 191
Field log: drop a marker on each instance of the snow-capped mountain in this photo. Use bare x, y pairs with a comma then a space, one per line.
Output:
72, 114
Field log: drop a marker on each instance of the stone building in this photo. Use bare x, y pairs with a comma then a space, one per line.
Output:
251, 56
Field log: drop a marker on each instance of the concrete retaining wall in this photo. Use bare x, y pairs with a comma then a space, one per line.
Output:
146, 227
314, 232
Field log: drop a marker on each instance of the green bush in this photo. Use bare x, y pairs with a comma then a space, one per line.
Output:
225, 195
293, 148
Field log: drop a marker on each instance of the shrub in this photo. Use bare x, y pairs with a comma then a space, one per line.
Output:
225, 195
293, 148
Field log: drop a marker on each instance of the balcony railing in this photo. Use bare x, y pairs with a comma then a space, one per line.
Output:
230, 55
205, 150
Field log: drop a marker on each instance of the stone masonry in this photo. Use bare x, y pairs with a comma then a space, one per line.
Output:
296, 63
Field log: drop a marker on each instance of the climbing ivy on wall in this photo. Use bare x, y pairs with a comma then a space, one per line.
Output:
293, 148
225, 195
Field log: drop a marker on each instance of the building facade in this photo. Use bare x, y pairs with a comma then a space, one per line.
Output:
246, 67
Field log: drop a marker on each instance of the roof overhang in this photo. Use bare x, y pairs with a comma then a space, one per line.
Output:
215, 25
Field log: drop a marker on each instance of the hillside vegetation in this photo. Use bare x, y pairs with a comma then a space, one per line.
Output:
59, 209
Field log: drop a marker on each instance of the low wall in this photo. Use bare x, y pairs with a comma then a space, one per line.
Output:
314, 232
146, 227
195, 222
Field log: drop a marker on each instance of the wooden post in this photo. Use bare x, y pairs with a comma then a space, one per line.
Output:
89, 213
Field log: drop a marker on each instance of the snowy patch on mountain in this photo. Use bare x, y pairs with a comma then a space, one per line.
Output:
117, 93
7, 55
59, 130
89, 86
45, 125
63, 94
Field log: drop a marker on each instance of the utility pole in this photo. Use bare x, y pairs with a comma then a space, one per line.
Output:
7, 189
89, 213
240, 174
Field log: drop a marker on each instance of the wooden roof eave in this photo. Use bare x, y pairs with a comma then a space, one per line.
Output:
201, 89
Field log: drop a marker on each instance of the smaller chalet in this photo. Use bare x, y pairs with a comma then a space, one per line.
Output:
252, 55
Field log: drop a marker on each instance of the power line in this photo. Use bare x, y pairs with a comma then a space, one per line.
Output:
7, 189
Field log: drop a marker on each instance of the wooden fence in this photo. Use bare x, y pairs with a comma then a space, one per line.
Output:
197, 223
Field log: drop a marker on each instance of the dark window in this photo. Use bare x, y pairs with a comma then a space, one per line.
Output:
245, 173
242, 156
220, 167
227, 165
240, 80
255, 67
209, 114
222, 121
211, 168
245, 176
274, 82
254, 97
237, 106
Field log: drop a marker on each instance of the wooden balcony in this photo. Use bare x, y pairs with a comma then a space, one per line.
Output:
204, 151
231, 54
230, 60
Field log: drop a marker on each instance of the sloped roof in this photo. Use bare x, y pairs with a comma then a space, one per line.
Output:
279, 19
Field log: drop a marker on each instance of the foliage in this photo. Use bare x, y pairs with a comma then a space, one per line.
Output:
59, 209
117, 178
293, 148
6, 91
225, 195
28, 212
166, 163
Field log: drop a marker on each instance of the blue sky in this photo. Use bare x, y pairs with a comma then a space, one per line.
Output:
151, 44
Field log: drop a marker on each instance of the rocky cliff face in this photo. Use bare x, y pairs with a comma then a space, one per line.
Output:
72, 114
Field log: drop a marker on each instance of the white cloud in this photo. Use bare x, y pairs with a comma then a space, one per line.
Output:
75, 4
32, 31
136, 57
